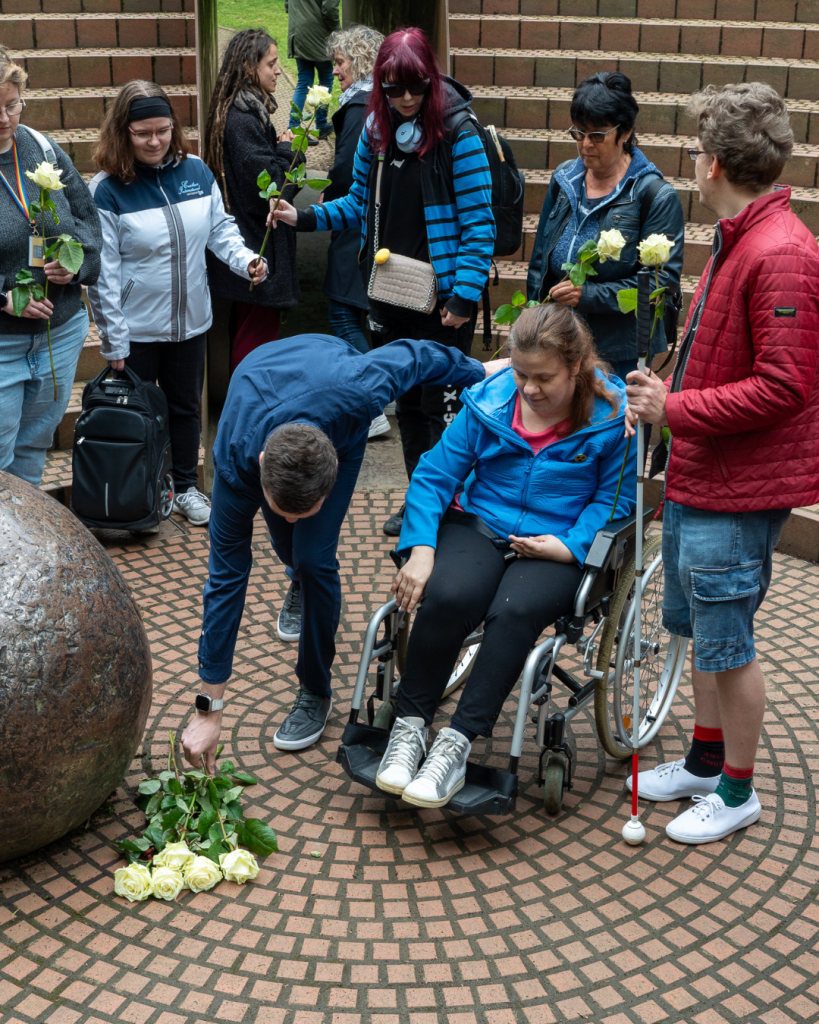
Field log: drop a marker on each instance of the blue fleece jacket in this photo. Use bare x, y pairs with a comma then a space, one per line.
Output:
566, 489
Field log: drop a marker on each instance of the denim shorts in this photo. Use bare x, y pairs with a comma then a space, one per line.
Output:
717, 571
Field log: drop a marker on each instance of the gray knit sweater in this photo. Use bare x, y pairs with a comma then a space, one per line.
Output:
78, 218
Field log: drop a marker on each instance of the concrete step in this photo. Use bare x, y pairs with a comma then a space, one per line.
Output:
731, 38
79, 144
53, 109
88, 68
799, 11
649, 72
65, 31
662, 113
96, 6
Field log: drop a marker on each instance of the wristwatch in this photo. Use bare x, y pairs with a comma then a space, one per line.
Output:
207, 704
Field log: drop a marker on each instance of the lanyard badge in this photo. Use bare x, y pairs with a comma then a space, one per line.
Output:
36, 246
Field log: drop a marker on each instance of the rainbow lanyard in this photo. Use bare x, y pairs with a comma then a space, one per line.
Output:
18, 194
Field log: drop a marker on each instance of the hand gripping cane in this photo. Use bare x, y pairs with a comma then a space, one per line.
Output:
633, 830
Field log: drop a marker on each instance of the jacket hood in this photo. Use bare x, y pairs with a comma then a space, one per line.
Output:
458, 97
493, 401
776, 202
571, 177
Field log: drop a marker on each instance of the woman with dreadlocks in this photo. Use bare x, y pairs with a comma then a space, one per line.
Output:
241, 142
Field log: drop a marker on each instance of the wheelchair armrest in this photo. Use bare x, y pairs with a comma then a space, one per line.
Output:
609, 545
397, 559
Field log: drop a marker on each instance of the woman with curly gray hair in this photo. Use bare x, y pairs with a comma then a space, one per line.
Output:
353, 52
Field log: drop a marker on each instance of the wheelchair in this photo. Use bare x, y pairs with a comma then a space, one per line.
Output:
605, 604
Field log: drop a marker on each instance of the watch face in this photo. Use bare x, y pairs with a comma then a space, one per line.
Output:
202, 702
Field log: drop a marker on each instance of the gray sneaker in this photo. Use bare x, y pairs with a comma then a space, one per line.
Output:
288, 625
408, 744
443, 773
305, 723
194, 505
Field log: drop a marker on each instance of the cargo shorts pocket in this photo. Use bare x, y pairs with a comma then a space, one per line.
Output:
724, 602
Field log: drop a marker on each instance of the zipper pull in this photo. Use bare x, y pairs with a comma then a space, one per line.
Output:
80, 440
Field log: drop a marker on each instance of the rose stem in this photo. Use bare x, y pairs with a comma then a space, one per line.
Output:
43, 201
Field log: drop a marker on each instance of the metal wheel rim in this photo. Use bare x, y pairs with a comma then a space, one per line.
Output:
166, 496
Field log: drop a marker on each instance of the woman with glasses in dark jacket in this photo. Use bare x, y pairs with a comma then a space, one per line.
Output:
602, 189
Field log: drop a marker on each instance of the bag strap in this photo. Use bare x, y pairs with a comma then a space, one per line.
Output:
43, 143
377, 201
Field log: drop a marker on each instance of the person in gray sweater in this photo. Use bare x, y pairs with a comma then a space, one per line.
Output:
29, 409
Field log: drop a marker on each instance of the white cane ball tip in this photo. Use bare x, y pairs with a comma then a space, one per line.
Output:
634, 832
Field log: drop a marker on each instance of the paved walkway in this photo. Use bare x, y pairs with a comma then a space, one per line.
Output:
423, 916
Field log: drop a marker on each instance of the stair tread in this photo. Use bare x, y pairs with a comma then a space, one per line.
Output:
636, 55
61, 135
107, 16
597, 19
92, 91
116, 51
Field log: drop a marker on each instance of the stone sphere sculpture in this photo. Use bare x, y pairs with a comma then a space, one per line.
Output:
75, 671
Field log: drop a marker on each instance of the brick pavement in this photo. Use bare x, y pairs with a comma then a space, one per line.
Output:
421, 916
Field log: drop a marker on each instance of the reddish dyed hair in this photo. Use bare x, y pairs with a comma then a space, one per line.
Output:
407, 58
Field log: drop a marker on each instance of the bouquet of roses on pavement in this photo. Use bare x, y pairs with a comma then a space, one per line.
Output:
195, 833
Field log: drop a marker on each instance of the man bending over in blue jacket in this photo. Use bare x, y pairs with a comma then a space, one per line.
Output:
291, 440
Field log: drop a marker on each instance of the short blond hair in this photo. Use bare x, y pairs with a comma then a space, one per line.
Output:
359, 44
11, 73
747, 128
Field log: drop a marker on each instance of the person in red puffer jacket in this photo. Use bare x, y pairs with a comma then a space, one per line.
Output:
743, 409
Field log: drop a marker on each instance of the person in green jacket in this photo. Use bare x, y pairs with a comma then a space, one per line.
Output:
310, 22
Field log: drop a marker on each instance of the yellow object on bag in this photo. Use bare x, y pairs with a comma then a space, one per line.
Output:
382, 256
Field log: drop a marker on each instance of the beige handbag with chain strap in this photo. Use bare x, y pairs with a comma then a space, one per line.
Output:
399, 280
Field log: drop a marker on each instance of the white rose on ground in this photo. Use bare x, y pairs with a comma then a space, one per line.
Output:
133, 882
175, 855
655, 250
610, 245
238, 866
167, 883
47, 176
201, 874
317, 96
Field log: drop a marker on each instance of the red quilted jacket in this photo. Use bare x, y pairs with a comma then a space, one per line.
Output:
745, 420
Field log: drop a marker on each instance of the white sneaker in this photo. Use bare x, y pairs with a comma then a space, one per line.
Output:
193, 505
709, 819
671, 781
408, 744
380, 425
443, 773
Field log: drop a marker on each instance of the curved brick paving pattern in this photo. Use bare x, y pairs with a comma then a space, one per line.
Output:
424, 916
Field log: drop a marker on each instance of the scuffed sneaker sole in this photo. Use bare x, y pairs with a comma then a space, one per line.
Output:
419, 801
288, 638
700, 841
305, 741
388, 787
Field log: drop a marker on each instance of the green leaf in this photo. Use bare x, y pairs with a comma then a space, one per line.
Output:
171, 818
71, 255
206, 819
577, 275
154, 833
215, 833
172, 786
212, 852
507, 314
589, 269
149, 786
532, 302
317, 183
257, 837
264, 179
153, 805
658, 292
49, 252
234, 810
213, 793
627, 300
587, 248
518, 299
164, 776
227, 767
134, 845
244, 778
24, 276
182, 804
20, 298
37, 292
294, 109
665, 433
49, 207
233, 794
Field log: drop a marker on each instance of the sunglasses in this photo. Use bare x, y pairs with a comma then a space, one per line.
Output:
595, 137
396, 91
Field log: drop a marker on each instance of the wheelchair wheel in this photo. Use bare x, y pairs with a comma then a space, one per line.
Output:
554, 777
165, 493
461, 671
663, 660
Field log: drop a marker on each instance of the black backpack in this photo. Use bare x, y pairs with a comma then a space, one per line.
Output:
122, 454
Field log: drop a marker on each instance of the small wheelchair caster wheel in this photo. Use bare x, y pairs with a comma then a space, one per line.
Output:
553, 782
383, 717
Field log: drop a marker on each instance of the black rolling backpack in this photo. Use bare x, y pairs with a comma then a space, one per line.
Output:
122, 454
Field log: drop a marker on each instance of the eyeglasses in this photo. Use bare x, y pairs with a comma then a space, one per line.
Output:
163, 134
394, 91
694, 153
594, 137
13, 109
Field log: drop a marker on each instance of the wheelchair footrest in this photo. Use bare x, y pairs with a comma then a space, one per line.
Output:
486, 791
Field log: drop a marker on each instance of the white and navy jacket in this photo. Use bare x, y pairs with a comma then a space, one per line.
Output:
153, 285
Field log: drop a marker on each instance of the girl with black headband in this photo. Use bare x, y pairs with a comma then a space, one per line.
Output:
161, 210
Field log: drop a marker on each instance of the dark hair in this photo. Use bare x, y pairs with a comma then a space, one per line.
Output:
554, 330
299, 467
114, 152
239, 70
605, 100
406, 57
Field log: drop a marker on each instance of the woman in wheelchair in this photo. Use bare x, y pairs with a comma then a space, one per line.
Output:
540, 446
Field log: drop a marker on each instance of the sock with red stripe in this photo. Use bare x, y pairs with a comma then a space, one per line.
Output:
707, 754
735, 785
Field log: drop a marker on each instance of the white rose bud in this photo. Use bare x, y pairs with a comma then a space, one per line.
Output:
175, 855
655, 250
46, 176
238, 866
133, 882
610, 245
167, 883
201, 874
317, 96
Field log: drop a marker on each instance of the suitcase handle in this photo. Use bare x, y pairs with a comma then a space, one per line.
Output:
131, 379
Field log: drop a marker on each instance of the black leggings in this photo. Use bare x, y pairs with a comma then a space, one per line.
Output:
471, 583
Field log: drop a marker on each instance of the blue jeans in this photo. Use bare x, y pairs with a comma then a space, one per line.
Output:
307, 71
718, 569
308, 547
345, 322
29, 415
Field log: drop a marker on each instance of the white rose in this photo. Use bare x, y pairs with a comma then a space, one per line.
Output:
133, 882
175, 855
201, 874
238, 866
46, 176
655, 250
610, 245
167, 883
317, 96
